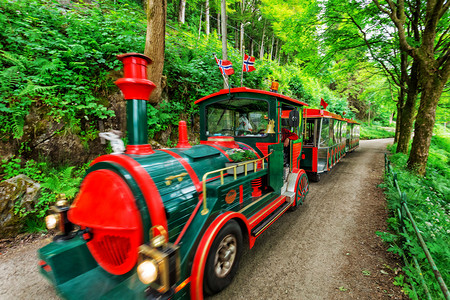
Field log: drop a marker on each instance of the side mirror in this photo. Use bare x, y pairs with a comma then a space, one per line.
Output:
294, 118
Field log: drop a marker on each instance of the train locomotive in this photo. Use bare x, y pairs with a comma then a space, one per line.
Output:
172, 223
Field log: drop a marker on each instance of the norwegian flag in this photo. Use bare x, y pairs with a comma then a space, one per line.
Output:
225, 66
249, 61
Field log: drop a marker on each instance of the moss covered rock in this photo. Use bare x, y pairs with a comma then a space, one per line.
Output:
20, 191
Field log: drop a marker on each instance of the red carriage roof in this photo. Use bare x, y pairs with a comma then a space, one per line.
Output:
320, 113
247, 90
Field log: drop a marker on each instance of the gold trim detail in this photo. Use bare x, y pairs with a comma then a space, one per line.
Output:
180, 178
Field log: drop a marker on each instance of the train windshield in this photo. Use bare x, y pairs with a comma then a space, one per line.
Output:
237, 117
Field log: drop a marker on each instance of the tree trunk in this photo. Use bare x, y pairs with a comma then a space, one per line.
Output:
200, 23
277, 52
432, 83
207, 17
182, 12
271, 48
403, 92
241, 38
401, 98
155, 43
223, 30
219, 32
224, 34
261, 51
409, 110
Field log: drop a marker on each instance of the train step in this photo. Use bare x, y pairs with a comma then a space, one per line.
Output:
266, 222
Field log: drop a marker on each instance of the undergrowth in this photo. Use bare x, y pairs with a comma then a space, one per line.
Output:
428, 200
375, 132
53, 181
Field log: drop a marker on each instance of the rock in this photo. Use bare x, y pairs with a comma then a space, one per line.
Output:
22, 190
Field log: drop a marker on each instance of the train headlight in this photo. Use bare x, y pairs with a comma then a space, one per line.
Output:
51, 221
59, 218
147, 271
159, 266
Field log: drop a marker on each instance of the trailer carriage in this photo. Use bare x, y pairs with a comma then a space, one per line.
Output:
172, 223
327, 138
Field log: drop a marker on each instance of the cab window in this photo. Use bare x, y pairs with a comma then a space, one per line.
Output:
240, 118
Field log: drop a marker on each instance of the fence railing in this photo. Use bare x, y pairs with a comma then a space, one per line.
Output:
403, 214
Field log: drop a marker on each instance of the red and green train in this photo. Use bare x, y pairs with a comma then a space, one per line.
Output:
327, 138
172, 223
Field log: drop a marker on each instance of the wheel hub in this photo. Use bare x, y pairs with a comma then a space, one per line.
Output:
225, 256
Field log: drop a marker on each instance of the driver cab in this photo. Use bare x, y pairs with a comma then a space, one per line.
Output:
255, 119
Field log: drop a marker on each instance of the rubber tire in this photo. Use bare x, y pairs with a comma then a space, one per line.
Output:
211, 283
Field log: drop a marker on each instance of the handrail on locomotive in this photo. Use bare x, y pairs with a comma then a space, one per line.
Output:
245, 164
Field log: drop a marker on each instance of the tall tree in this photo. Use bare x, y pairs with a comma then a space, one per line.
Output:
223, 13
207, 17
155, 43
261, 50
433, 58
182, 12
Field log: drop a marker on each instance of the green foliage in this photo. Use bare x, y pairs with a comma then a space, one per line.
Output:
14, 166
60, 56
375, 132
428, 201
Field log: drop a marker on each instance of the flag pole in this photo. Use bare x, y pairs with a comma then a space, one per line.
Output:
223, 75
242, 70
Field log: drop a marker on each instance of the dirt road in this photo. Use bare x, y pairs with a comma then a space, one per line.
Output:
327, 249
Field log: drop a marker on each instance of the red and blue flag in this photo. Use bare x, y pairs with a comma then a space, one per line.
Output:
225, 66
249, 61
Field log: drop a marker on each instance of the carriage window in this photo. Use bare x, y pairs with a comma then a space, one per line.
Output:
356, 131
240, 117
324, 133
331, 136
336, 137
343, 132
309, 132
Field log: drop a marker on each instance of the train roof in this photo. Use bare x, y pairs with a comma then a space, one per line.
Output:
351, 121
247, 90
320, 113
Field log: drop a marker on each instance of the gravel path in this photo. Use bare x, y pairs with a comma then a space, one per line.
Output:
327, 249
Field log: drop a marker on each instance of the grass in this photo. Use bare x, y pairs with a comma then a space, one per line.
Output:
376, 132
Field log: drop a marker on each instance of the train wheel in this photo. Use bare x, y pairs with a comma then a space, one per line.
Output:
223, 258
314, 177
301, 190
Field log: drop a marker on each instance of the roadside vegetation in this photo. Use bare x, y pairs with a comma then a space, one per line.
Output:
428, 199
376, 130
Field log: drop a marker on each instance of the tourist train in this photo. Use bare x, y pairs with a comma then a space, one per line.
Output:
173, 223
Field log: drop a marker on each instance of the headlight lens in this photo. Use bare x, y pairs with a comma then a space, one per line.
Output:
147, 271
51, 221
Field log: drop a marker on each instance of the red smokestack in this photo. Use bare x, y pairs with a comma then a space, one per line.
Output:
136, 89
182, 136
